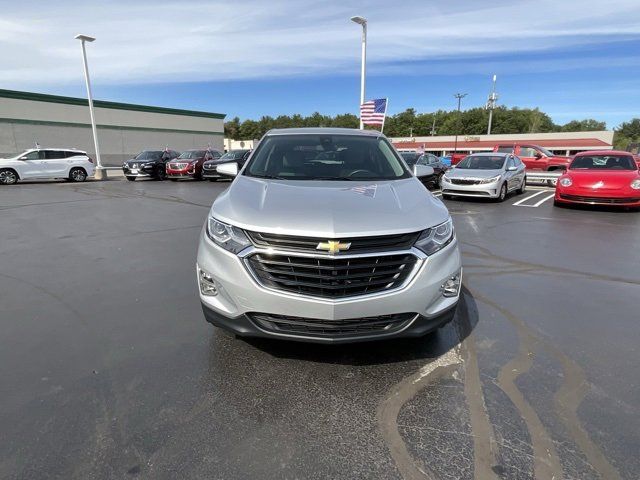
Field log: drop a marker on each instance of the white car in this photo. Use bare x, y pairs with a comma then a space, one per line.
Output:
43, 163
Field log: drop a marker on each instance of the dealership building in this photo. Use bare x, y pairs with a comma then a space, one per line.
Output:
30, 119
564, 143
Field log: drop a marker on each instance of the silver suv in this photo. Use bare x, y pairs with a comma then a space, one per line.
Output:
325, 235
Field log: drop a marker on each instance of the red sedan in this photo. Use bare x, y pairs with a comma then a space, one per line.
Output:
600, 178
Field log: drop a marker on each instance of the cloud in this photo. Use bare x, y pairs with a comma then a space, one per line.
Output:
170, 41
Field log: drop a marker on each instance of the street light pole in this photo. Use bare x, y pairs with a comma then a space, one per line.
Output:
363, 67
459, 96
491, 103
101, 173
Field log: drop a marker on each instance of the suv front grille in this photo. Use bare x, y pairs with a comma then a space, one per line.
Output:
332, 277
315, 327
357, 244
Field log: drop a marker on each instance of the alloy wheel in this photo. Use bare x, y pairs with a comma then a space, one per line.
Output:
8, 177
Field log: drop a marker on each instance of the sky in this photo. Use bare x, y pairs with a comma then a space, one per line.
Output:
572, 59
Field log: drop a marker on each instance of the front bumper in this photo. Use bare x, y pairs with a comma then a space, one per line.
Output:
174, 174
589, 197
210, 171
142, 172
482, 190
239, 294
245, 326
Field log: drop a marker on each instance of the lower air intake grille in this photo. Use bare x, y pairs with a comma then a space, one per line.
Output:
314, 327
612, 201
332, 277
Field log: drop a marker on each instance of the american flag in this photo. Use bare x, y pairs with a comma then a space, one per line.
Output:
372, 112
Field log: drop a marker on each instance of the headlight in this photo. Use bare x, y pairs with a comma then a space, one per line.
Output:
636, 184
226, 236
435, 238
490, 180
566, 182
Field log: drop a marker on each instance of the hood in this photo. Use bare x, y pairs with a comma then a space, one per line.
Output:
602, 179
471, 173
329, 209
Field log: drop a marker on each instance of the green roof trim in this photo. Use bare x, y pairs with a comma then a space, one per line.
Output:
104, 127
41, 97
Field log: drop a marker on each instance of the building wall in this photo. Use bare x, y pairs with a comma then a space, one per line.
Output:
564, 143
123, 129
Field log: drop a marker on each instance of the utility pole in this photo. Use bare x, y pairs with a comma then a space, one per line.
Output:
459, 96
433, 126
491, 103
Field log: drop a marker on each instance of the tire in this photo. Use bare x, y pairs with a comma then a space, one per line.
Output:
213, 179
523, 187
552, 183
8, 176
77, 174
503, 193
131, 179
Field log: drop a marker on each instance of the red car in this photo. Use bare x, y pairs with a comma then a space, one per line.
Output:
600, 178
188, 164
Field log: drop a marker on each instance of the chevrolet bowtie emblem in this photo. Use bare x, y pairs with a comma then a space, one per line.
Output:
333, 246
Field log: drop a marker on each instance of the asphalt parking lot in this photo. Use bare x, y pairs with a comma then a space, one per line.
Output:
108, 370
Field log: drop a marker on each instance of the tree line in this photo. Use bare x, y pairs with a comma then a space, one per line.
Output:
411, 123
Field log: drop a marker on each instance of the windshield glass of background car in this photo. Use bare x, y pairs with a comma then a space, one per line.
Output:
409, 157
148, 155
326, 157
477, 162
192, 154
546, 152
603, 162
233, 155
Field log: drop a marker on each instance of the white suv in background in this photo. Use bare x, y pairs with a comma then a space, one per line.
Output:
43, 163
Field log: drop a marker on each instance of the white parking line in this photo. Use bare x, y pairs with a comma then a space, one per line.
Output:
540, 202
528, 198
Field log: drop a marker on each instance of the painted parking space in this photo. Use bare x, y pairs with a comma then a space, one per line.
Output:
536, 199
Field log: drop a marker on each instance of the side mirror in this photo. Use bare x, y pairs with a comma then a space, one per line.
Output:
512, 169
422, 171
538, 155
24, 158
229, 169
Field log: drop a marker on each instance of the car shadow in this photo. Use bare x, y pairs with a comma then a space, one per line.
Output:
378, 352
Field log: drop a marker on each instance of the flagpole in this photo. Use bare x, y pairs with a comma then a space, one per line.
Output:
386, 106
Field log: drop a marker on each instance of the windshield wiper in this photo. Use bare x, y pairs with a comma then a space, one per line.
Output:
269, 177
346, 179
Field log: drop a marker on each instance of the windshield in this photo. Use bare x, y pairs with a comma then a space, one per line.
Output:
148, 155
326, 157
545, 151
478, 162
409, 157
603, 162
192, 154
233, 155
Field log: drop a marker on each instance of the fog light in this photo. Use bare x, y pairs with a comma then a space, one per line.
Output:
208, 286
451, 287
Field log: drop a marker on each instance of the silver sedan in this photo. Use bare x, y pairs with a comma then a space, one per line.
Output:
490, 175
